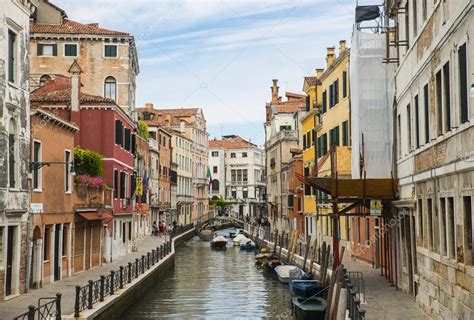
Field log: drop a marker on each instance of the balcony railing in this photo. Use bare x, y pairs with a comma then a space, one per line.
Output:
93, 197
283, 135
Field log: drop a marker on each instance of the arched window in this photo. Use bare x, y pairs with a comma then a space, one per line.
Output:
12, 153
110, 88
215, 185
44, 79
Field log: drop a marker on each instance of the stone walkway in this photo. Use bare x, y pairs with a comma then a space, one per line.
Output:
382, 300
19, 305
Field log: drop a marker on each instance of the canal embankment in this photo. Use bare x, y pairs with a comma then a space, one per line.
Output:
145, 275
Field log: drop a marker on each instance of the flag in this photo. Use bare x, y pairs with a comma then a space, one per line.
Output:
209, 177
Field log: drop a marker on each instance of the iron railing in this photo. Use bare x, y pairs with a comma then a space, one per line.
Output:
96, 291
354, 294
51, 309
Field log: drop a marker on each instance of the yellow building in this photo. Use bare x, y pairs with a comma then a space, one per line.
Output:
312, 88
333, 130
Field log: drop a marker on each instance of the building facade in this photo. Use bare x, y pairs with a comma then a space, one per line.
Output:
237, 169
434, 154
281, 135
14, 143
108, 57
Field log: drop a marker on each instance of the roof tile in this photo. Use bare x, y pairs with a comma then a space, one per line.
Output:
73, 27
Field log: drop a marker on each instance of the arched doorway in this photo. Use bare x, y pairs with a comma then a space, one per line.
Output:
37, 259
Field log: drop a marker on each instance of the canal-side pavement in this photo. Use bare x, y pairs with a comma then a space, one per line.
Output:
19, 305
382, 300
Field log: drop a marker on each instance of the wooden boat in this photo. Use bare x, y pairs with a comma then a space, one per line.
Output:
206, 235
273, 263
283, 272
237, 239
219, 243
262, 257
306, 288
313, 308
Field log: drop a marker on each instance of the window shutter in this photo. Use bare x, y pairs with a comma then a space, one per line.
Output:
39, 49
336, 92
312, 134
336, 135
307, 103
133, 143
55, 49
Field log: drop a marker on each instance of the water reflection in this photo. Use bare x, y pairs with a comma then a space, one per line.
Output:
208, 284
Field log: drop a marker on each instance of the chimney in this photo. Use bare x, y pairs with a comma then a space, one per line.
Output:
330, 56
342, 46
148, 105
75, 71
167, 120
181, 126
275, 88
319, 73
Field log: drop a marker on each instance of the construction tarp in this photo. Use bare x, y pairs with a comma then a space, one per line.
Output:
372, 92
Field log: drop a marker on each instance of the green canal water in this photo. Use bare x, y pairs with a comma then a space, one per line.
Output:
208, 284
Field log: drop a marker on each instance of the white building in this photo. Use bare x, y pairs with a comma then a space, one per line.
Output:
434, 132
15, 146
238, 175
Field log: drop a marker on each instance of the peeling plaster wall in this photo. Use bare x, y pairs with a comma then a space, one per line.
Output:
14, 103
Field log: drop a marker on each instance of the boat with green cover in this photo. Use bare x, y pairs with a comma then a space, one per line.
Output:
313, 308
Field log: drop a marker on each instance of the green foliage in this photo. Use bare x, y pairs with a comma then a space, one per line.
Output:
218, 202
143, 130
87, 162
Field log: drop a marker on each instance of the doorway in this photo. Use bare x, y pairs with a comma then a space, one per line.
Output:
57, 253
10, 255
88, 233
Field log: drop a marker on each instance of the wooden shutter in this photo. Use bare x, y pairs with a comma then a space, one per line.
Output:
39, 49
55, 49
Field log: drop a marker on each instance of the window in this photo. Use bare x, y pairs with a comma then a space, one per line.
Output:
134, 138
331, 96
65, 235
48, 50
336, 91
67, 171
424, 9
399, 136
110, 51
244, 154
427, 113
451, 245
344, 84
70, 50
110, 88
324, 144
463, 85
417, 122
409, 128
430, 224
12, 149
444, 240
420, 219
127, 144
133, 185
415, 18
116, 184
12, 54
234, 194
325, 101
118, 132
44, 79
215, 185
407, 24
447, 98
46, 243
215, 153
233, 175
232, 155
468, 228
36, 159
439, 105
239, 175
307, 103
214, 169
122, 185
245, 175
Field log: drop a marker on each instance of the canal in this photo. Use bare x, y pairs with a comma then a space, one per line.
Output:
208, 284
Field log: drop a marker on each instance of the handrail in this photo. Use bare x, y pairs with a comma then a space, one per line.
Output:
96, 291
48, 310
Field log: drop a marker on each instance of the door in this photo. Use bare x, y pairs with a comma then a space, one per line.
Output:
408, 250
57, 253
88, 234
9, 271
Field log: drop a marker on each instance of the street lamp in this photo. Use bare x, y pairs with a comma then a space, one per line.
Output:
35, 165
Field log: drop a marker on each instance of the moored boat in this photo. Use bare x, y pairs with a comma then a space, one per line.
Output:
306, 288
262, 257
219, 243
206, 235
313, 308
247, 244
237, 239
283, 272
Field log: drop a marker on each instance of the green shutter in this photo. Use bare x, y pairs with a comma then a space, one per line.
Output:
344, 134
39, 49
55, 49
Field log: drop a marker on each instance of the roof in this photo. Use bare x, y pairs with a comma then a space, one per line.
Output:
231, 143
311, 81
177, 112
53, 118
290, 95
74, 27
59, 90
290, 106
173, 116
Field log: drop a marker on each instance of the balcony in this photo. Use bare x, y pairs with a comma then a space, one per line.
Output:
184, 199
153, 145
200, 181
281, 136
92, 197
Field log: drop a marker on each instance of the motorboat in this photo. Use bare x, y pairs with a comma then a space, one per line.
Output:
232, 235
247, 245
206, 235
306, 288
262, 257
237, 239
313, 308
283, 272
219, 243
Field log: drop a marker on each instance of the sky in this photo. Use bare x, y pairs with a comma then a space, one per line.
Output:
222, 55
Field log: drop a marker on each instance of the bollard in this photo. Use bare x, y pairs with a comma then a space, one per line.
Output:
136, 268
76, 303
148, 260
121, 277
161, 252
101, 290
143, 264
31, 312
157, 254
153, 257
89, 296
58, 306
129, 274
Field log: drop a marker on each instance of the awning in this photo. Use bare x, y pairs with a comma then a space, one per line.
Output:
95, 215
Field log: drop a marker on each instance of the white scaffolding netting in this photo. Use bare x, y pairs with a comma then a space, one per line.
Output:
372, 92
